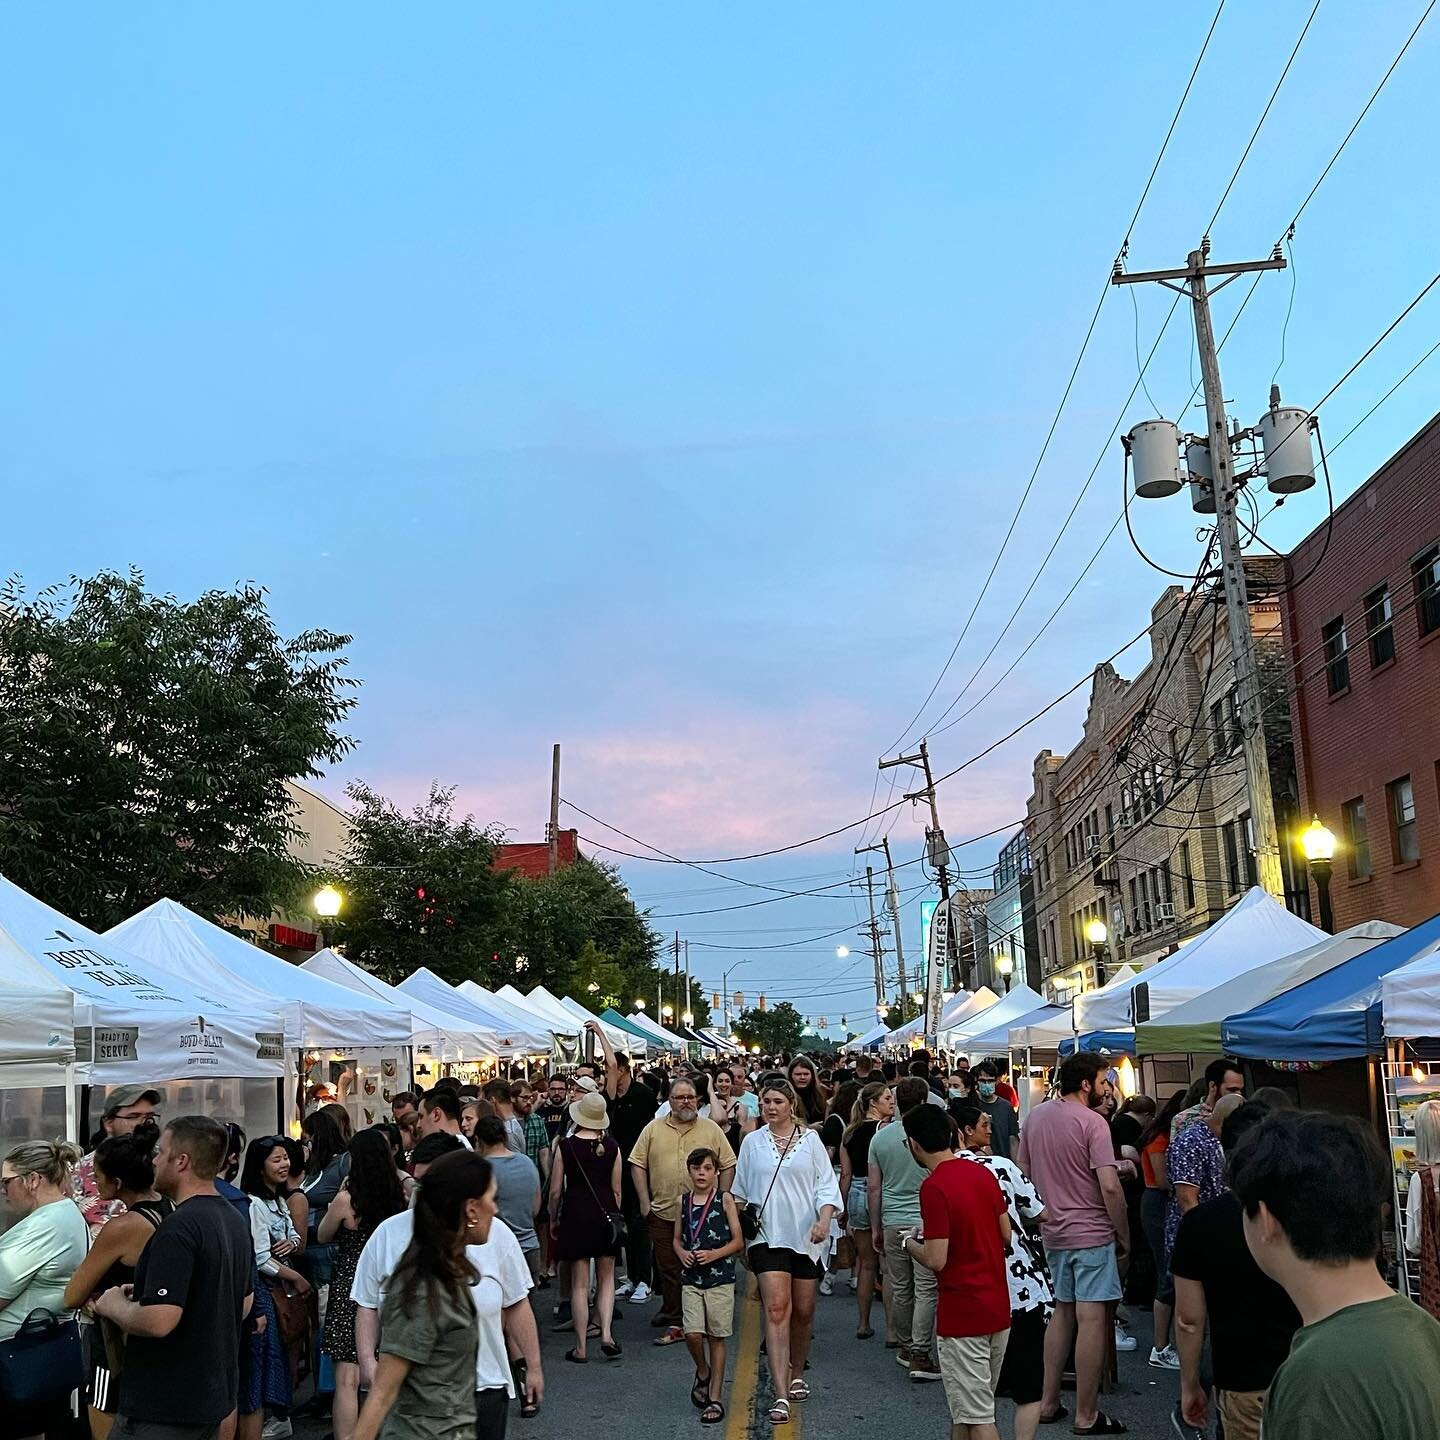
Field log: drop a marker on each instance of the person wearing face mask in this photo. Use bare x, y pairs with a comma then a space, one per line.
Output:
1004, 1123
128, 1108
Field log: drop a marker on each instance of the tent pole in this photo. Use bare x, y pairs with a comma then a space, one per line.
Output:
72, 1117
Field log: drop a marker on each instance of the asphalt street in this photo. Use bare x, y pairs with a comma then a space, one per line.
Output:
858, 1389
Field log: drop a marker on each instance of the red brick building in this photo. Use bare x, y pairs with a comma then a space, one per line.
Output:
1362, 639
532, 858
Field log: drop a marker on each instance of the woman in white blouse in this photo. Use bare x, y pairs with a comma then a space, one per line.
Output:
784, 1172
1427, 1166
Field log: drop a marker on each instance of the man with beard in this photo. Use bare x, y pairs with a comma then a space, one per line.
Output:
128, 1109
658, 1169
1067, 1151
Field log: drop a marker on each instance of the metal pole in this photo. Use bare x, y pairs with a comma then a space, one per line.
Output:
875, 938
1237, 605
554, 858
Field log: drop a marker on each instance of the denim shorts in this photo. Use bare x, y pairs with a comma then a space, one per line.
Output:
1085, 1275
858, 1209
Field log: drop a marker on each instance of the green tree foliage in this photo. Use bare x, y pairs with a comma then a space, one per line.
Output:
145, 742
420, 889
773, 1030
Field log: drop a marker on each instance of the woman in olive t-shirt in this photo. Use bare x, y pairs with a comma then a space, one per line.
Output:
425, 1378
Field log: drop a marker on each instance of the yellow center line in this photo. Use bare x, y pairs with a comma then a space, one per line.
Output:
745, 1361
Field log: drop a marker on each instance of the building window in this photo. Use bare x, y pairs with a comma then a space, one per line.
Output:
1357, 837
1425, 570
1404, 842
1246, 828
1175, 761
1110, 828
1337, 656
1380, 626
1232, 860
1187, 875
1167, 883
1134, 905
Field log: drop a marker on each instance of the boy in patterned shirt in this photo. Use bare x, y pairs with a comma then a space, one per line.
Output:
707, 1240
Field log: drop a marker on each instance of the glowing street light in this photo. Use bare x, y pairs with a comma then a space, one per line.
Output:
326, 902
640, 1003
1318, 843
687, 1018
667, 1011
842, 952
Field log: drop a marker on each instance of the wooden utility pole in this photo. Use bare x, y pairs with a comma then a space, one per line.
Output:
554, 835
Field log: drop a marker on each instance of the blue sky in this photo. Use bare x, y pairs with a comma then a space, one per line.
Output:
661, 381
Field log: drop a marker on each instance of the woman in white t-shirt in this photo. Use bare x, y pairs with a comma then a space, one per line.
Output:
784, 1171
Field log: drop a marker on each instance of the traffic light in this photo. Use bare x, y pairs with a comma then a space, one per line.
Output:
762, 1002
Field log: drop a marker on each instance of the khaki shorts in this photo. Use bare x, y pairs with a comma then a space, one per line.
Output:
1241, 1412
970, 1367
708, 1312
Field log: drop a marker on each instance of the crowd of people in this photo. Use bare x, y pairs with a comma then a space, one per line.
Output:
392, 1268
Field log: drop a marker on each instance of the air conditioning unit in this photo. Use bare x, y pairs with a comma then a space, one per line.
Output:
1117, 921
1125, 821
1165, 913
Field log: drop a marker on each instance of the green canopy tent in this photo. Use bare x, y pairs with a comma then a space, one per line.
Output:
616, 1019
1194, 1027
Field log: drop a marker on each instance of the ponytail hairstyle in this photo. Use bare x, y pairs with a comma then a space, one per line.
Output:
435, 1259
51, 1160
867, 1098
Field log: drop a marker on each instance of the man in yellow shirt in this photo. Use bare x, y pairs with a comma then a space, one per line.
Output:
657, 1165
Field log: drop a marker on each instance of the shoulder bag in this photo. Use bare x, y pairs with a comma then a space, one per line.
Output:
41, 1363
751, 1214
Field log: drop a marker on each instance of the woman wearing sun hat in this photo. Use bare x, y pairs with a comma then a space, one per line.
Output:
585, 1193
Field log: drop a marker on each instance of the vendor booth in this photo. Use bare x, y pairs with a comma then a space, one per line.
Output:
514, 1042
131, 1021
662, 1037
1001, 1014
521, 1014
356, 1047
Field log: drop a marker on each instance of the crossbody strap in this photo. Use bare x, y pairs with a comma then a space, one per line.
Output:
590, 1185
789, 1145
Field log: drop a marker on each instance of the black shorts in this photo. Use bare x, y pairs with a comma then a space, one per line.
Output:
1022, 1375
768, 1260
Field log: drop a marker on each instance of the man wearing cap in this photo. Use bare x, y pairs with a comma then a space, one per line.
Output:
658, 1168
128, 1108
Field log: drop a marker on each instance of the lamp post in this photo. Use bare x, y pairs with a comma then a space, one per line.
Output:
1006, 966
1318, 843
326, 903
1097, 934
725, 990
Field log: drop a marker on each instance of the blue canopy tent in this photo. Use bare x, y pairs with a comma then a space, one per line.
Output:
1335, 1016
1095, 1042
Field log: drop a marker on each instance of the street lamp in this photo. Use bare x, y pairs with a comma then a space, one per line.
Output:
1006, 967
1097, 934
842, 952
593, 988
326, 902
687, 1019
1318, 843
666, 1011
640, 1003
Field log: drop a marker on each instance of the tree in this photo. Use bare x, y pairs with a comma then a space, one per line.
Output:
420, 889
773, 1030
145, 743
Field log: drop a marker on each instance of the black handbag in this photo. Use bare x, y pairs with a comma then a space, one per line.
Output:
751, 1214
41, 1363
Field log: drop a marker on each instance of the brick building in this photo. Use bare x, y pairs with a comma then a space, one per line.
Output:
1362, 631
1145, 824
531, 858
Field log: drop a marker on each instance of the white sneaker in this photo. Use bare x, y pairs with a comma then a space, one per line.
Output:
640, 1294
623, 1289
854, 1284
1166, 1359
277, 1427
827, 1285
1124, 1340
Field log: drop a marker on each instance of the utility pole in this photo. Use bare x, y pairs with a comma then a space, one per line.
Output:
1237, 605
940, 862
875, 951
554, 836
676, 1015
686, 1005
892, 895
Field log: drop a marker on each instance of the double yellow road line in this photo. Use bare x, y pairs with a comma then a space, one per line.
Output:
745, 1415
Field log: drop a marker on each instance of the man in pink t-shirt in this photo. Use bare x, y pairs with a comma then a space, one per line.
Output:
1066, 1150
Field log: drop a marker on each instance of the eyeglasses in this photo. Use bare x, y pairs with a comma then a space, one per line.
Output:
6, 1181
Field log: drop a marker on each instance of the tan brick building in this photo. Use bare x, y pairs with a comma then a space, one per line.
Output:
1145, 824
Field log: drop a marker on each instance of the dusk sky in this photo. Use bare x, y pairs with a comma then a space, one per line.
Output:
660, 380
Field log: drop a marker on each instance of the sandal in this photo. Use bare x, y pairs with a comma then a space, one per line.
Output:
800, 1390
610, 1349
1104, 1425
866, 1334
529, 1409
700, 1391
576, 1358
1061, 1414
713, 1413
779, 1412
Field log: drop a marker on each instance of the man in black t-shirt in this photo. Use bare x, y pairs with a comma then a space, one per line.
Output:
1252, 1320
632, 1107
191, 1294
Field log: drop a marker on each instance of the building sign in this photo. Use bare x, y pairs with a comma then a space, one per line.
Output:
293, 939
107, 1044
269, 1045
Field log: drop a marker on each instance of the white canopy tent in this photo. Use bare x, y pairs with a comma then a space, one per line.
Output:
447, 1037
957, 1010
1194, 1027
542, 1002
876, 1035
133, 1020
317, 1013
662, 1036
37, 1023
1251, 934
619, 1039
996, 1040
1045, 1032
723, 1042
1410, 998
521, 1015
513, 1040
1008, 1008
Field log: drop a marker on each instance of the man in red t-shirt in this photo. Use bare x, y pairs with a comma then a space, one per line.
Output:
966, 1230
